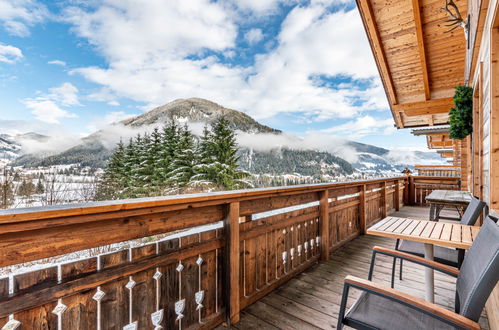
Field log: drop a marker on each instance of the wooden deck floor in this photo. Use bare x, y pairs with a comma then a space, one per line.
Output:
311, 300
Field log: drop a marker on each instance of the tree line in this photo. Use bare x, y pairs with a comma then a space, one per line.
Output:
172, 160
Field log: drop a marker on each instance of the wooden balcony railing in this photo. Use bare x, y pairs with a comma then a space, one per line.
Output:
438, 170
256, 240
421, 186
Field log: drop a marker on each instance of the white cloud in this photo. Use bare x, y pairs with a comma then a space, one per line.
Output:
46, 110
47, 107
17, 16
108, 119
10, 54
363, 126
157, 65
253, 36
66, 94
104, 95
57, 62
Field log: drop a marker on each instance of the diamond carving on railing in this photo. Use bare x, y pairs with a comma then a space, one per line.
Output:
99, 294
305, 246
157, 318
299, 226
299, 250
292, 253
292, 228
284, 257
130, 284
284, 231
157, 275
305, 224
180, 268
131, 326
59, 309
179, 308
312, 243
199, 297
317, 240
11, 325
199, 261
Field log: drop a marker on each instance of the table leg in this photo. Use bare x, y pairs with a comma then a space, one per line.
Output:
428, 253
432, 212
438, 209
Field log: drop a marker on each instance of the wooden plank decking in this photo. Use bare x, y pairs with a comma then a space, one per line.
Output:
311, 300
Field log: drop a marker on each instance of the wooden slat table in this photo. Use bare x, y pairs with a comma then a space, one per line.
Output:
439, 199
430, 233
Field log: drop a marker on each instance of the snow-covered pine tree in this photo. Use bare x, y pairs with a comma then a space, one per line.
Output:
204, 158
169, 144
184, 159
112, 182
145, 167
155, 152
131, 175
221, 167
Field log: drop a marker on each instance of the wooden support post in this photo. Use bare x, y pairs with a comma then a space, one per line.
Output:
383, 200
412, 191
232, 266
396, 200
324, 221
362, 209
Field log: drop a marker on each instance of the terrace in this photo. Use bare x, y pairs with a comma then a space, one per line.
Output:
268, 257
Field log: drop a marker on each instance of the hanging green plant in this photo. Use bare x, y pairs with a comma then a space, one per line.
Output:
461, 115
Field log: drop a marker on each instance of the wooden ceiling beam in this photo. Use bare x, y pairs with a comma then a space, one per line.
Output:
421, 49
428, 107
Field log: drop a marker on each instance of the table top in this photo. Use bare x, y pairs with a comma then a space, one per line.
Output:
432, 232
454, 197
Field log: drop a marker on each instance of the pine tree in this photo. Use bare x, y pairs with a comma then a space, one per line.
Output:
113, 181
184, 159
155, 151
220, 166
204, 158
169, 145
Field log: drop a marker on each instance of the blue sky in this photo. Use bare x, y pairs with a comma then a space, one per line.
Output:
71, 67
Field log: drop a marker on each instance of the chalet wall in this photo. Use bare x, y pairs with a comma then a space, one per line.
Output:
489, 85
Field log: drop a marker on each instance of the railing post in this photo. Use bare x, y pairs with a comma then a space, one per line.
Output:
324, 221
232, 255
362, 209
397, 195
383, 198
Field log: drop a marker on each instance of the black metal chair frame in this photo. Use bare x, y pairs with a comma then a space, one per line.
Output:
342, 321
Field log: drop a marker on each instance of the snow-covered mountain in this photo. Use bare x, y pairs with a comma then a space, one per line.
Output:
95, 149
11, 145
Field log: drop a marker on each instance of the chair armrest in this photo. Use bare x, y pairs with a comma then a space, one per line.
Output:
414, 302
453, 271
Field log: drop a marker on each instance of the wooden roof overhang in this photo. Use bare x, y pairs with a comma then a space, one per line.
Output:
446, 153
418, 62
436, 138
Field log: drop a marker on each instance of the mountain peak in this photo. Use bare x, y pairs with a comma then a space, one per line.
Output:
198, 110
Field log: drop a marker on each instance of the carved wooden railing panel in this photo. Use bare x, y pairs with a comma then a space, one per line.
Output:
438, 170
257, 240
422, 186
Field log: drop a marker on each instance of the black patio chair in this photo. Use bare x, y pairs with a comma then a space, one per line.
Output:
443, 255
381, 307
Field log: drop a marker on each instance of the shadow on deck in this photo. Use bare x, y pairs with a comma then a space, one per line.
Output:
311, 300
